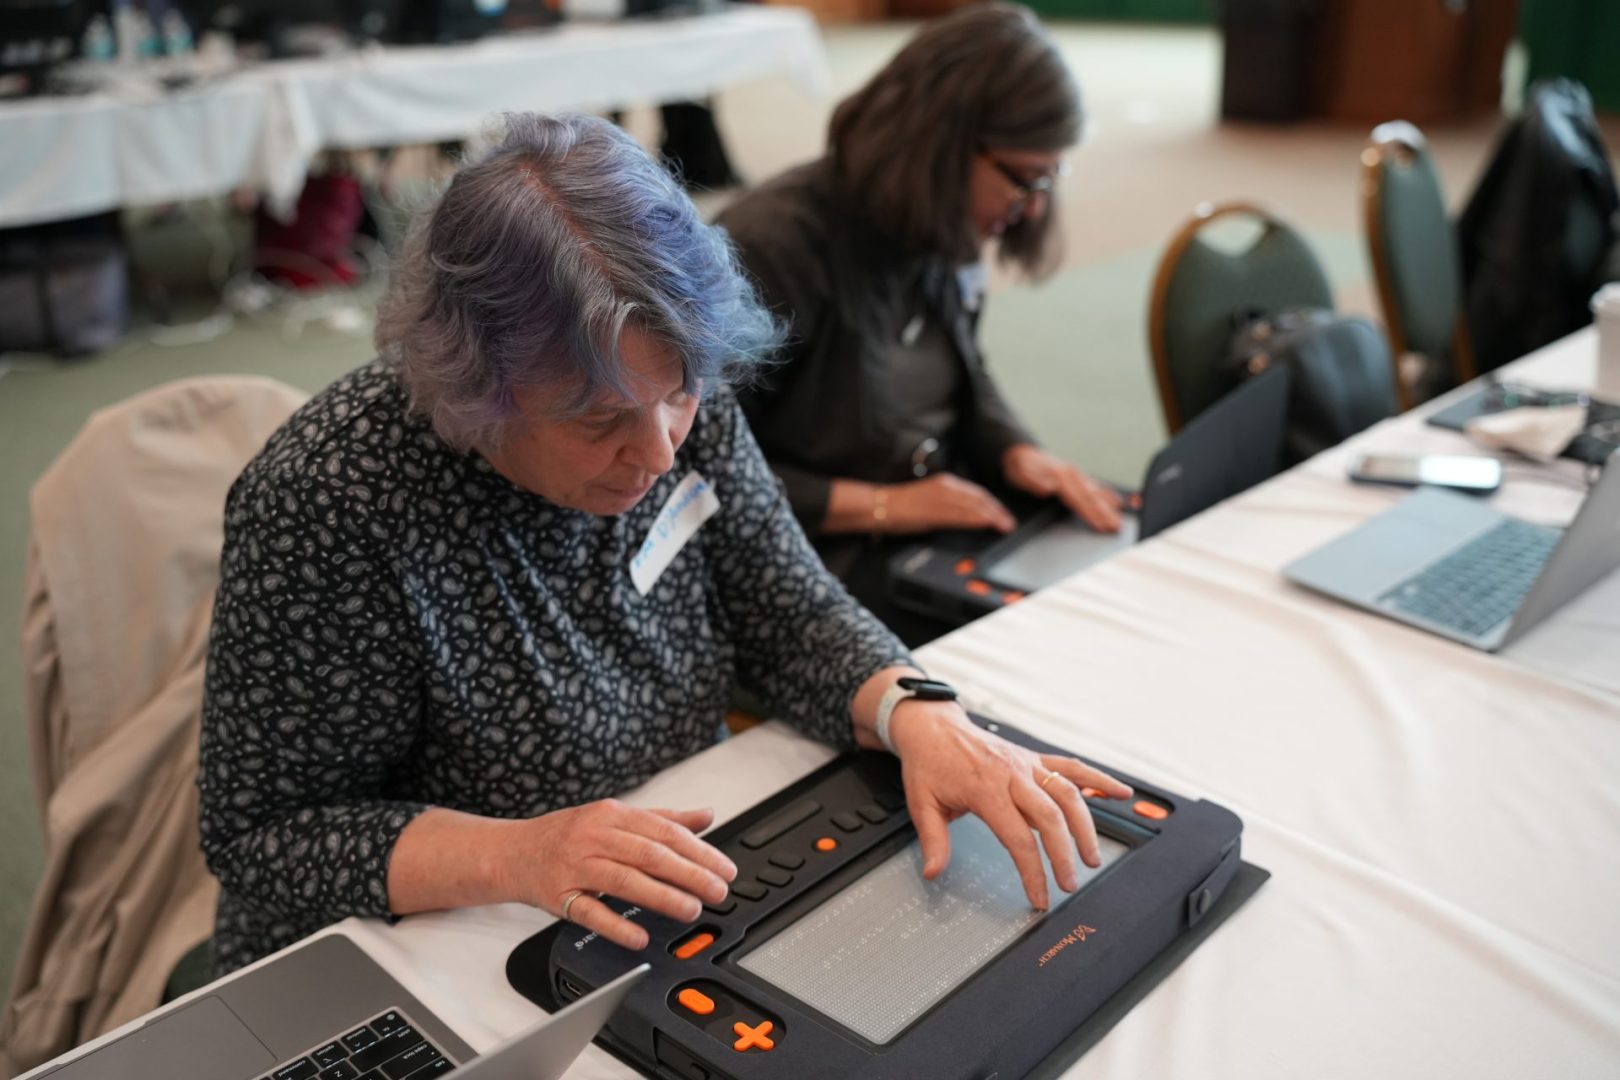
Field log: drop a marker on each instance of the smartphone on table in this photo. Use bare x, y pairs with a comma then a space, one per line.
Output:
1480, 475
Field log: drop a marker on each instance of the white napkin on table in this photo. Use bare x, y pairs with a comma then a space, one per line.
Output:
1538, 432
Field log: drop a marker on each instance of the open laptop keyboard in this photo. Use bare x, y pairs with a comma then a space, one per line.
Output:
387, 1047
1481, 583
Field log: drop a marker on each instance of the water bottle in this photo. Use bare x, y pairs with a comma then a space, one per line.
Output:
176, 34
98, 43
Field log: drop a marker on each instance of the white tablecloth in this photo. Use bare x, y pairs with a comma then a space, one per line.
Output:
1443, 826
263, 125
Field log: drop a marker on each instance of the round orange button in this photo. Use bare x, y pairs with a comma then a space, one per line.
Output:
826, 843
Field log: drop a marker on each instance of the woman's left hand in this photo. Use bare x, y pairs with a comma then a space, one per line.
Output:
952, 767
1029, 468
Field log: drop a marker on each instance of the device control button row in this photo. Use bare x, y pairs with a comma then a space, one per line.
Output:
775, 826
748, 890
874, 813
778, 878
847, 821
693, 945
696, 1001
787, 860
756, 1037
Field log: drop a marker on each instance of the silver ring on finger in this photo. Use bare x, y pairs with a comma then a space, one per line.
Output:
568, 902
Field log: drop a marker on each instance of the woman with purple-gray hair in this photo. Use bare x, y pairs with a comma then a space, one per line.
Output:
517, 565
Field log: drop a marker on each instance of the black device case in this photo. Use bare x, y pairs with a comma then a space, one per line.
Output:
1003, 1021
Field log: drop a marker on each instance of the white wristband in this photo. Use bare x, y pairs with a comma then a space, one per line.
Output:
892, 697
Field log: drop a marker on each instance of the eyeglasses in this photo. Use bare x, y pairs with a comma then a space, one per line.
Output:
1028, 187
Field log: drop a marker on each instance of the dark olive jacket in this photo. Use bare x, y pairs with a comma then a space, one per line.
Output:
847, 292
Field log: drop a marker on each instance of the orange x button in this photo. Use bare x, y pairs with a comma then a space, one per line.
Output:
753, 1038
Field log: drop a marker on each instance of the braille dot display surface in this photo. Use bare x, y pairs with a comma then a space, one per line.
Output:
888, 947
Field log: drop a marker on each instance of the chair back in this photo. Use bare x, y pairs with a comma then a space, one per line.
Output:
1201, 293
1415, 259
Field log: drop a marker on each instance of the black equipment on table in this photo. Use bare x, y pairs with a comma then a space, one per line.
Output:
832, 957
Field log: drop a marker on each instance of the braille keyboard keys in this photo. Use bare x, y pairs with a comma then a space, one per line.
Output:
748, 890
724, 907
847, 821
874, 813
779, 823
891, 800
773, 876
787, 860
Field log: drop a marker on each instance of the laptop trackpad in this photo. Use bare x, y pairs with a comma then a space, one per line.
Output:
202, 1039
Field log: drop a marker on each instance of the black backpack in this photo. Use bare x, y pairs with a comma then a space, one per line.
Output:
1343, 376
1538, 235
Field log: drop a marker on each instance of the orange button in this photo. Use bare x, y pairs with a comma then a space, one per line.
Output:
696, 1000
1011, 596
826, 843
1150, 810
751, 1038
693, 945
1091, 793
979, 588
964, 567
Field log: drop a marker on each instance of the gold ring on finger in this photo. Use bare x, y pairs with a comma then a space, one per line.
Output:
1047, 779
568, 901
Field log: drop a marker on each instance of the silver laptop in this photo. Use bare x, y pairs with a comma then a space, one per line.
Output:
327, 1010
1448, 564
1228, 448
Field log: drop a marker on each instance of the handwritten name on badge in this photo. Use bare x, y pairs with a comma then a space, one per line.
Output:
691, 504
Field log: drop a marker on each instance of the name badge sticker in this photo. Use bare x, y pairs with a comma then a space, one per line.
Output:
691, 504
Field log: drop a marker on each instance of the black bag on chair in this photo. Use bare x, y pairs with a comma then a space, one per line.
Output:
1343, 375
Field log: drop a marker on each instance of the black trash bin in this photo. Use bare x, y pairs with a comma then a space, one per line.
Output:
1270, 54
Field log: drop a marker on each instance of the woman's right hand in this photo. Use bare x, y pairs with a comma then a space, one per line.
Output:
945, 501
650, 858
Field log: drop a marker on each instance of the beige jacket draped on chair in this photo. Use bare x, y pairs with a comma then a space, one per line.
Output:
123, 562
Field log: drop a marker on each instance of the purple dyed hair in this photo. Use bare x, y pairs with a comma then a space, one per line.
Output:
535, 258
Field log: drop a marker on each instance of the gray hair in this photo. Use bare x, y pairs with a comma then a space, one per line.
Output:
985, 77
528, 267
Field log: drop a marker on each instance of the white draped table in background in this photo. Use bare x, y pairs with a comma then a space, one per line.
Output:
262, 125
1443, 826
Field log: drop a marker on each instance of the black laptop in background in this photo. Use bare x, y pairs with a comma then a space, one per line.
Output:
1226, 449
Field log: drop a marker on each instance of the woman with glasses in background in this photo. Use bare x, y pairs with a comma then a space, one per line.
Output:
882, 421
